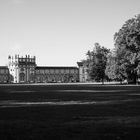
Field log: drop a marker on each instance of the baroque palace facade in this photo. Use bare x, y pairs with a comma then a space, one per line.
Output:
25, 70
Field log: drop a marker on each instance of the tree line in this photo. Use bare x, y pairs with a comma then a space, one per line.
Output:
123, 61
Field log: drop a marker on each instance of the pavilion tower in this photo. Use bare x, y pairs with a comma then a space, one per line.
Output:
22, 68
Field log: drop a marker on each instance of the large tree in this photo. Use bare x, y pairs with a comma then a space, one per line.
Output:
113, 70
110, 70
97, 62
127, 45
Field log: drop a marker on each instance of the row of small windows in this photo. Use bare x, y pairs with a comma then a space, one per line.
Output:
22, 69
4, 71
26, 60
57, 78
3, 78
56, 71
43, 71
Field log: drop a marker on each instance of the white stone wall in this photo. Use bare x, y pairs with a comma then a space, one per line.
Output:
13, 68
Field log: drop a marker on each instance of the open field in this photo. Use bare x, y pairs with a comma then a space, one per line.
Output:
69, 112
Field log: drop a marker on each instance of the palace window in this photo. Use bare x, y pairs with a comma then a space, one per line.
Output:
62, 71
51, 71
22, 77
2, 71
72, 71
32, 77
22, 69
56, 71
46, 71
67, 71
83, 71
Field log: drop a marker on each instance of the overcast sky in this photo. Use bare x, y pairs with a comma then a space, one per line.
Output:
60, 32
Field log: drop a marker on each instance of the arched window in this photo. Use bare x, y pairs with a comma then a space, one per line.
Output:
22, 77
22, 69
32, 77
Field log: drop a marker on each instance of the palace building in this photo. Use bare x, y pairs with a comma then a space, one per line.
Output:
4, 74
83, 72
22, 69
57, 74
25, 70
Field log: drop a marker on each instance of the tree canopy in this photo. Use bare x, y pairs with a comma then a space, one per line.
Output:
121, 63
127, 46
97, 62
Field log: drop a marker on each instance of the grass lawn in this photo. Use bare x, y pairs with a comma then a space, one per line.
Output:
69, 112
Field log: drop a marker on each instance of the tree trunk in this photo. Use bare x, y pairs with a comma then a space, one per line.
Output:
102, 81
134, 79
